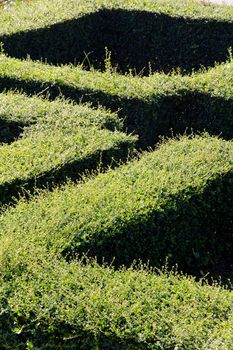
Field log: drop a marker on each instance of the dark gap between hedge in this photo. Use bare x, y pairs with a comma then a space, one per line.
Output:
10, 130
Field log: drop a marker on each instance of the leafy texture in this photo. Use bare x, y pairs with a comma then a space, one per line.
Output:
172, 202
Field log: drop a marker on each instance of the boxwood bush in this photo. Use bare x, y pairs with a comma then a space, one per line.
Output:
174, 202
50, 304
153, 35
151, 106
162, 68
18, 108
17, 111
65, 141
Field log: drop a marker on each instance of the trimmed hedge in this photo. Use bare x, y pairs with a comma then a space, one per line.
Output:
19, 108
151, 106
141, 36
51, 304
65, 141
175, 202
17, 111
39, 14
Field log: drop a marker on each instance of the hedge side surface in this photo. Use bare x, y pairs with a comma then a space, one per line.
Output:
151, 106
17, 111
143, 36
18, 107
174, 202
51, 304
65, 141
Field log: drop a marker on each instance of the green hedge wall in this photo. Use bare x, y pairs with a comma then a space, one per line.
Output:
17, 112
151, 106
175, 202
144, 37
50, 304
65, 141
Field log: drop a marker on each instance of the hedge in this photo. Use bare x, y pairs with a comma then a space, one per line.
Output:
175, 202
141, 36
65, 141
52, 304
151, 106
18, 107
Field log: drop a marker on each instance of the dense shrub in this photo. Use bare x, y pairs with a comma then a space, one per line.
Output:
151, 106
143, 37
65, 141
50, 304
17, 107
174, 202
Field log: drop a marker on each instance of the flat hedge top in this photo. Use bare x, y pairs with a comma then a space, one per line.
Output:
18, 107
44, 295
63, 133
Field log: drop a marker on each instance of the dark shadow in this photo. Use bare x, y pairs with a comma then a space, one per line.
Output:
62, 336
10, 130
11, 192
162, 115
195, 233
137, 40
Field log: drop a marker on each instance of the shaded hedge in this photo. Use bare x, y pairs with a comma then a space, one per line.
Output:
65, 141
173, 202
152, 106
48, 304
142, 38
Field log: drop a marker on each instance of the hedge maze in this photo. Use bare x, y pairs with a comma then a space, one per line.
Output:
116, 175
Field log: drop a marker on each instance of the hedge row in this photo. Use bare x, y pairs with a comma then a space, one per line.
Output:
14, 21
51, 304
41, 13
142, 36
17, 111
18, 107
65, 141
175, 202
151, 106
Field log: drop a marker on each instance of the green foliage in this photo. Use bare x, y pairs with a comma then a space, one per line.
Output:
175, 201
150, 106
139, 34
17, 107
65, 141
52, 304
157, 68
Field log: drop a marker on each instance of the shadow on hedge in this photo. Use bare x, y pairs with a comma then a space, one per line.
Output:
62, 337
138, 40
11, 192
186, 111
195, 233
10, 130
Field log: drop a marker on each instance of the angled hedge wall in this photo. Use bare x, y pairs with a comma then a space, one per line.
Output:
52, 304
142, 37
62, 141
175, 202
150, 106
